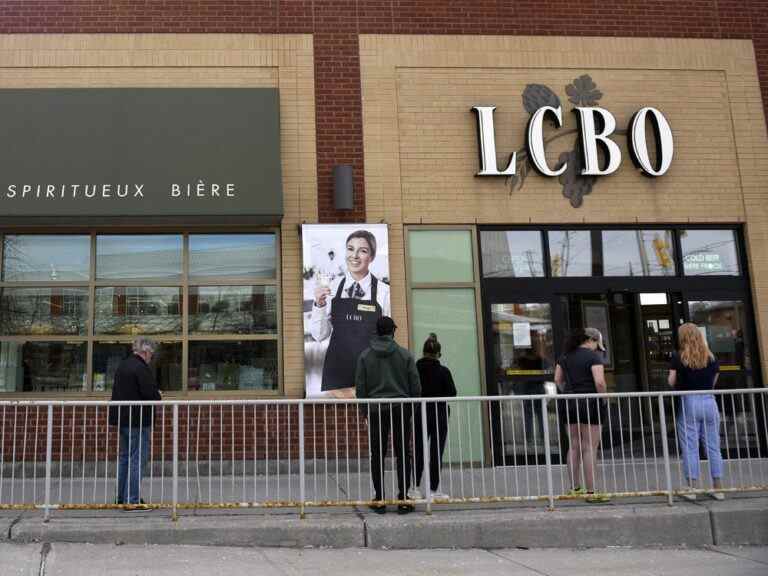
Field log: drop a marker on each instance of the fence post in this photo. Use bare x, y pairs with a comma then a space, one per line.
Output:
547, 453
426, 455
174, 514
48, 463
665, 448
302, 476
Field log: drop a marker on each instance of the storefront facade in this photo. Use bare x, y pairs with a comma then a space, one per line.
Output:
501, 267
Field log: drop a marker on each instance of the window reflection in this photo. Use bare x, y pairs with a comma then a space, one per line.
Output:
166, 364
523, 342
233, 309
138, 310
42, 366
244, 365
31, 258
43, 310
570, 252
515, 254
138, 256
722, 323
638, 253
242, 256
709, 253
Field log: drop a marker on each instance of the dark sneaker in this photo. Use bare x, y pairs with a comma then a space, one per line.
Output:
378, 508
405, 508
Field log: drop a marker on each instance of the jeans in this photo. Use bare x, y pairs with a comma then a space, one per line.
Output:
698, 420
134, 455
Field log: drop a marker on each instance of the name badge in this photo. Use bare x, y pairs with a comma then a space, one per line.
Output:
366, 308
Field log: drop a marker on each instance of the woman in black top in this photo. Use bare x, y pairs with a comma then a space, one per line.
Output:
436, 382
694, 367
580, 371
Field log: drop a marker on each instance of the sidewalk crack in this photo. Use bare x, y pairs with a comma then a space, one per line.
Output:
732, 555
13, 523
44, 551
516, 562
357, 510
272, 563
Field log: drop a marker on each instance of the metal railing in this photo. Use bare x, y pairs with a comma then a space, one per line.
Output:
306, 453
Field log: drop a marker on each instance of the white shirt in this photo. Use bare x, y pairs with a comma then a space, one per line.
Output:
320, 322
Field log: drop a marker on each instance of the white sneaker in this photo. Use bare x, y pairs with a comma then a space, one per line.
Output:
437, 495
718, 496
415, 494
688, 496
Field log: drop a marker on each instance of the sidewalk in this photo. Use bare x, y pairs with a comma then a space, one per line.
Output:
97, 560
739, 520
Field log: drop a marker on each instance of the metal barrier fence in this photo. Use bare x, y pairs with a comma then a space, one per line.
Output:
270, 453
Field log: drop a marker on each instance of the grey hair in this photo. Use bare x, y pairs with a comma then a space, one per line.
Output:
144, 345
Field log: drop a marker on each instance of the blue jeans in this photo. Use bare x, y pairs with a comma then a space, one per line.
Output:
134, 455
698, 420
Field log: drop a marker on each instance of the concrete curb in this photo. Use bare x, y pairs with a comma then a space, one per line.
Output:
239, 530
572, 528
645, 524
739, 522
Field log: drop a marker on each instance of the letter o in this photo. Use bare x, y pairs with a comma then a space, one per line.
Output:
638, 145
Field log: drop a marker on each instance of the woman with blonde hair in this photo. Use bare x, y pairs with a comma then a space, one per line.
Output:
694, 367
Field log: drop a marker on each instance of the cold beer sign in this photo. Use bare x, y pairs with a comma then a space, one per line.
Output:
595, 126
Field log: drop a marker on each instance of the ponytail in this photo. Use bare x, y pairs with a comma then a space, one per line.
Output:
431, 346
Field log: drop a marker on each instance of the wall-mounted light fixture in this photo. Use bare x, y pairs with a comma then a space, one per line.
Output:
342, 187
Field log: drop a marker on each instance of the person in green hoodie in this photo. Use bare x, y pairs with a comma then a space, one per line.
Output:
386, 370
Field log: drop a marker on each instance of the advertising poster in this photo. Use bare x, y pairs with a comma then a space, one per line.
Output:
345, 271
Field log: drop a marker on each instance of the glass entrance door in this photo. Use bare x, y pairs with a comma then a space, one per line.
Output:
658, 324
523, 365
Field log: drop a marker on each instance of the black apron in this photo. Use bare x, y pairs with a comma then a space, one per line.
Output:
354, 323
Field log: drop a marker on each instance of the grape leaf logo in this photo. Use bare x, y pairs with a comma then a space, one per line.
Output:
581, 92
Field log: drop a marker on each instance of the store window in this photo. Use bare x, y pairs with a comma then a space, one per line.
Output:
638, 253
29, 258
516, 254
243, 256
709, 252
570, 252
211, 301
132, 257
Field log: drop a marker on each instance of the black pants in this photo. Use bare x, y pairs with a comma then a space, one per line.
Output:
437, 432
382, 417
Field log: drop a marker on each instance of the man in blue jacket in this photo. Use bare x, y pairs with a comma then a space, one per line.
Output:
386, 370
134, 381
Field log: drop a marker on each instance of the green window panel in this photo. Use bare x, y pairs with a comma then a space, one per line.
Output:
450, 313
439, 256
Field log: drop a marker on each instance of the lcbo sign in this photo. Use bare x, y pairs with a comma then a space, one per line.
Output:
595, 127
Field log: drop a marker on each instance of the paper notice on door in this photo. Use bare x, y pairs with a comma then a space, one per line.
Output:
521, 334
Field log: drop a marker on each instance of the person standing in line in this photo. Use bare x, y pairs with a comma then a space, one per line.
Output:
580, 371
346, 311
694, 367
386, 370
436, 382
134, 381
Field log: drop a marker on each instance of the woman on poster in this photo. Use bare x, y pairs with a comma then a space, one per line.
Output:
346, 310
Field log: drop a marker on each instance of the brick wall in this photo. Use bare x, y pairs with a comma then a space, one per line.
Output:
227, 433
335, 25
